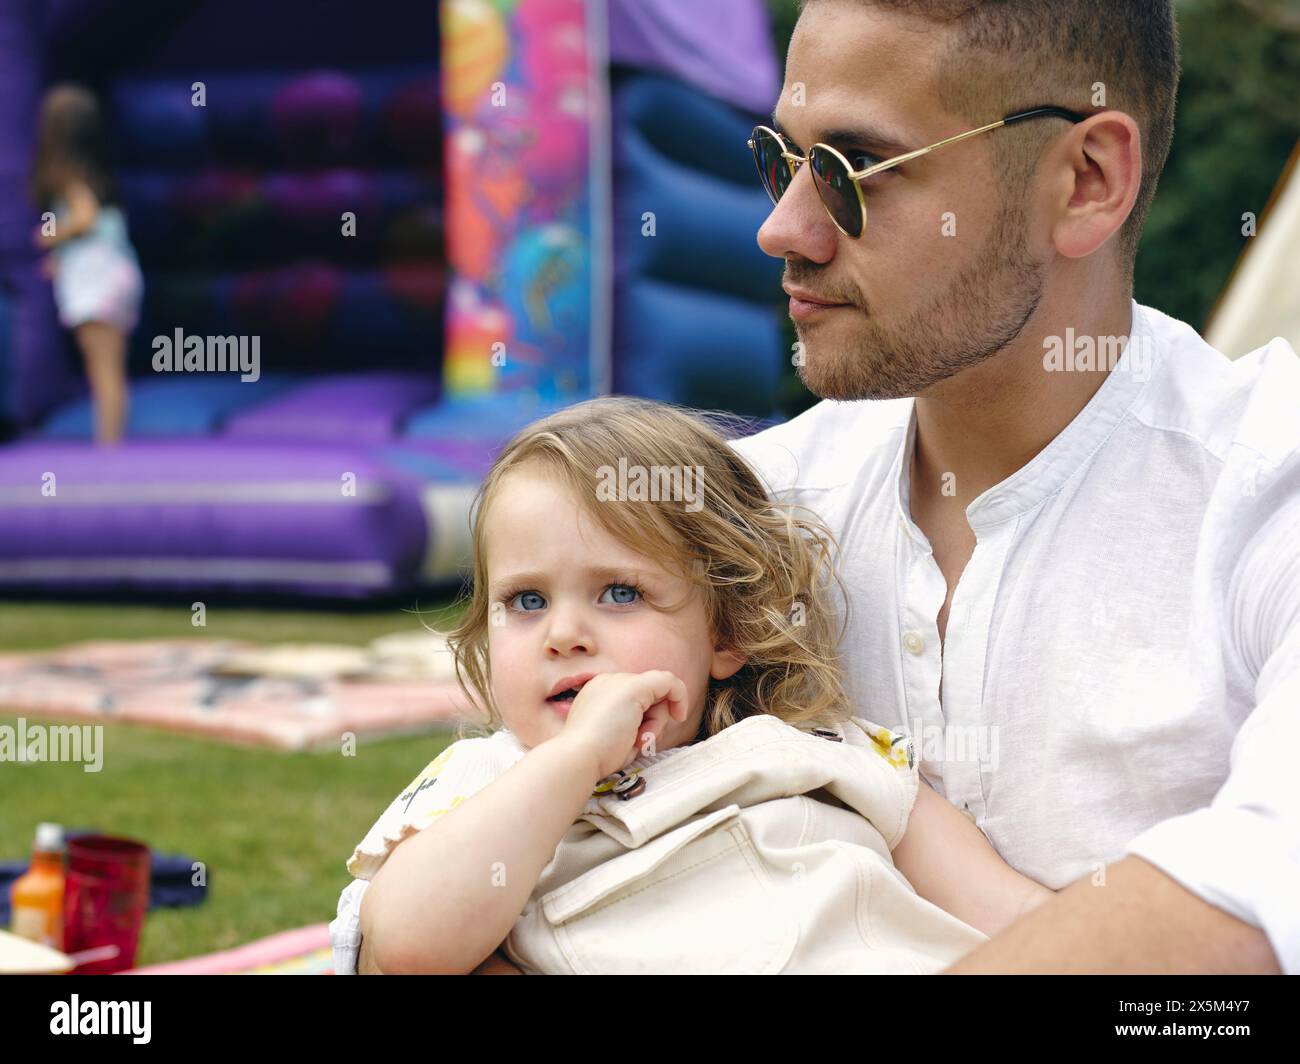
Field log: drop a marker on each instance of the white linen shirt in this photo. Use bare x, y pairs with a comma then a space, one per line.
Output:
1121, 671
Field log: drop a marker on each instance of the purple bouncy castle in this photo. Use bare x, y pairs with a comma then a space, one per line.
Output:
412, 229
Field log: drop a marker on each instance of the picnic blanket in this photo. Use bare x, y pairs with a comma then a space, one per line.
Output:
303, 951
287, 696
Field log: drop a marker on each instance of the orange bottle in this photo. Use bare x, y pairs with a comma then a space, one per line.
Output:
36, 897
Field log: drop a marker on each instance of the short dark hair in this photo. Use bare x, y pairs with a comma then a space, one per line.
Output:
1006, 55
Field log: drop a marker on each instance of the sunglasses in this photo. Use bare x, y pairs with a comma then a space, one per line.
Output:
837, 183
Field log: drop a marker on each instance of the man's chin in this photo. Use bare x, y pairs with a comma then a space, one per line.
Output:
844, 390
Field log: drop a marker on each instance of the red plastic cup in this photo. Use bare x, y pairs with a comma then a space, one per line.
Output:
105, 898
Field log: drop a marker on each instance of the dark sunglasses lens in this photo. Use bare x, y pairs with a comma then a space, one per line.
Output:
772, 167
838, 192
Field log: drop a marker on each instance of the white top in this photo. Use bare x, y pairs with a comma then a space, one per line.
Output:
1122, 665
463, 769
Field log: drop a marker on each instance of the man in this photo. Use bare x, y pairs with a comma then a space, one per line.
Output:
1069, 529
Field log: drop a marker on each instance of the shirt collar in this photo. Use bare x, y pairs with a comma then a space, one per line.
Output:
1048, 470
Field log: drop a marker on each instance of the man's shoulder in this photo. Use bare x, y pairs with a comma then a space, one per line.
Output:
1245, 405
1244, 418
828, 444
1270, 421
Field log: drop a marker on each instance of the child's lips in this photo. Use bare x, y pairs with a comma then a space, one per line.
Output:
563, 698
561, 707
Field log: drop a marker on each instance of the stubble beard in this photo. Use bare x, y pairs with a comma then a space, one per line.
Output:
978, 315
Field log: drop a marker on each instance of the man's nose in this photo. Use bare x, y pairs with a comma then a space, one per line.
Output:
798, 224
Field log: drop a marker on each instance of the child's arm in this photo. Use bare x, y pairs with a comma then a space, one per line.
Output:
448, 896
949, 862
83, 209
496, 963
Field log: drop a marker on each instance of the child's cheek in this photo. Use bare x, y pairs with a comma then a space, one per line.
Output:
510, 660
647, 646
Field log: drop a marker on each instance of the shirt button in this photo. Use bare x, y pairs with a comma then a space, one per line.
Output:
913, 642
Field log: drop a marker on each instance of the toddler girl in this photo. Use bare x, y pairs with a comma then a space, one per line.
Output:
97, 281
674, 782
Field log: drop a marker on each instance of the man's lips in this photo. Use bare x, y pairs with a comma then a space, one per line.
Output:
805, 304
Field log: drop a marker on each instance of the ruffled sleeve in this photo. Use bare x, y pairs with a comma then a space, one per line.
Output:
460, 771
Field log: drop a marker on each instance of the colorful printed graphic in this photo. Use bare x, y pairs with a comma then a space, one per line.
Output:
523, 85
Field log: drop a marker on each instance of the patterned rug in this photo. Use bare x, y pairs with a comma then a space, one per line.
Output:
288, 696
304, 951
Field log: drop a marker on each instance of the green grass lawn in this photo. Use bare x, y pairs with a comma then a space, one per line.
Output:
273, 829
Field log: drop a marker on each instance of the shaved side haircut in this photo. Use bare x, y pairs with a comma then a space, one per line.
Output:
1008, 55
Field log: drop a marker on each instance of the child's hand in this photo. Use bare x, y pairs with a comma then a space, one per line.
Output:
615, 710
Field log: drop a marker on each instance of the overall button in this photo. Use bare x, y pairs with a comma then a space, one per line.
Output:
913, 643
618, 782
629, 788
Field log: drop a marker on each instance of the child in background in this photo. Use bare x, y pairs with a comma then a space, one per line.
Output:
97, 280
675, 782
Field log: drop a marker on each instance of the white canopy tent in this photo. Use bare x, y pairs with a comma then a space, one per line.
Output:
1262, 298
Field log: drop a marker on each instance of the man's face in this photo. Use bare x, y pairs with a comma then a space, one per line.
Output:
942, 277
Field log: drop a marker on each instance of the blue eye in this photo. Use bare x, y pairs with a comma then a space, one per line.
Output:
528, 596
628, 588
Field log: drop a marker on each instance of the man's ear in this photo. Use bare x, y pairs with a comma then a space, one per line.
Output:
1100, 184
725, 664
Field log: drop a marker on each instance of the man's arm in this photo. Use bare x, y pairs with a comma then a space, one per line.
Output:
1140, 921
952, 864
1213, 890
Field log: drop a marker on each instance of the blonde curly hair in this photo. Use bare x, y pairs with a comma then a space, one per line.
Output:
765, 570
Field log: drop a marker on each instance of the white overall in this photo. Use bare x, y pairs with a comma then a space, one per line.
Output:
763, 849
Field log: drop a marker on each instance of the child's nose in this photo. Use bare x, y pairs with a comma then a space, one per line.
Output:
569, 631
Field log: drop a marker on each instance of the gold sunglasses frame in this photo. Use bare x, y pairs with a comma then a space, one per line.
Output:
856, 177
